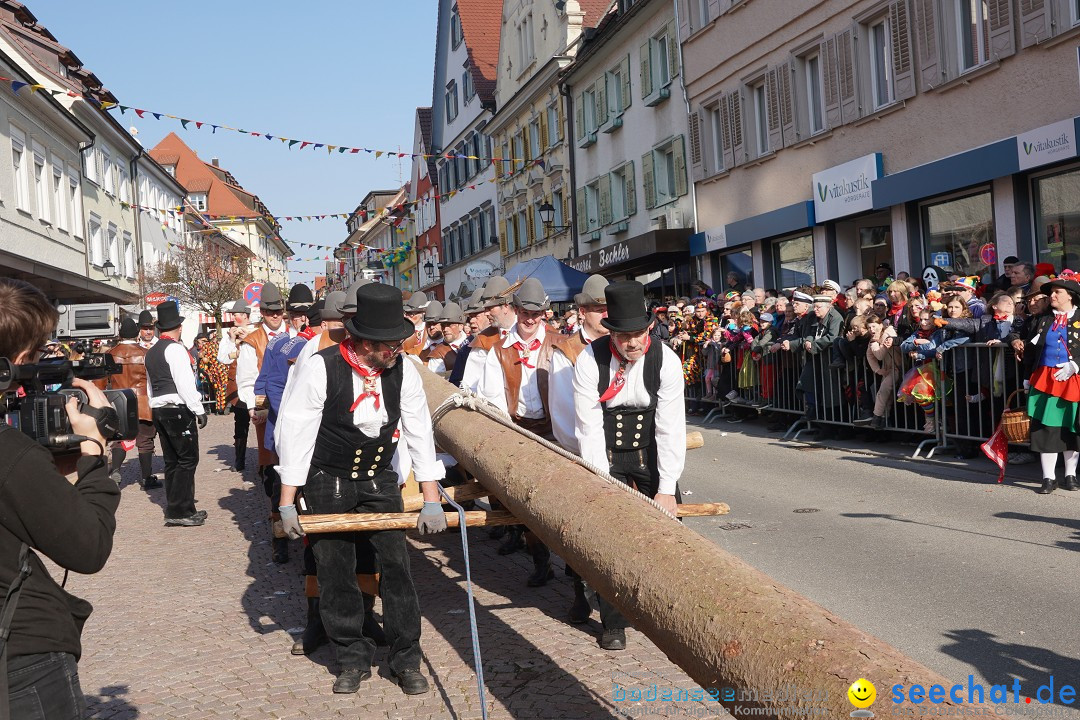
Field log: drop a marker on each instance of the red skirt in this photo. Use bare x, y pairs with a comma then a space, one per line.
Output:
1043, 381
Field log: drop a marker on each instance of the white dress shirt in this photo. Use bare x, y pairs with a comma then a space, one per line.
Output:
225, 349
302, 410
669, 423
438, 365
474, 366
493, 381
561, 398
176, 355
148, 345
247, 366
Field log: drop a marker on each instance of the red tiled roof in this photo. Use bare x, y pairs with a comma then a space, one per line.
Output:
595, 10
196, 176
481, 25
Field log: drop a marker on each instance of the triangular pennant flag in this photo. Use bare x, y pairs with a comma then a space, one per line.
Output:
303, 144
184, 123
214, 131
269, 137
123, 108
378, 154
198, 125
157, 116
354, 150
316, 146
140, 113
16, 86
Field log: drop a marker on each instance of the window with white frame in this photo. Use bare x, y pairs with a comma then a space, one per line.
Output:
107, 178
59, 199
613, 80
525, 238
517, 147
664, 172
815, 92
19, 164
526, 52
41, 185
451, 101
97, 241
125, 191
90, 165
75, 202
880, 39
588, 109
760, 108
198, 201
619, 208
555, 127
493, 229
129, 255
557, 203
973, 32
703, 13
714, 126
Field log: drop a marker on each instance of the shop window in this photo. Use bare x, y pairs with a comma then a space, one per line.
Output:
793, 262
958, 234
737, 271
1056, 199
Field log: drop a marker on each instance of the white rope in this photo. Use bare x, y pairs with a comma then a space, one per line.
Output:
465, 398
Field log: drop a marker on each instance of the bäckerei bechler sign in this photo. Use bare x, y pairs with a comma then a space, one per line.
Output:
846, 189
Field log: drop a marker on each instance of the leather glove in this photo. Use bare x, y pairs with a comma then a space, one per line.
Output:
431, 520
202, 420
1065, 371
290, 522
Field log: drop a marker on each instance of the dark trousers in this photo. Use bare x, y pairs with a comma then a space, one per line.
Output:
44, 687
144, 443
241, 423
341, 605
180, 449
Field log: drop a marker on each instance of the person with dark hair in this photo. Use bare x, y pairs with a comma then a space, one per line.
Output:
131, 357
39, 651
1021, 275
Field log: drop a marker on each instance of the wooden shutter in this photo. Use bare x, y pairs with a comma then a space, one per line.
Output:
600, 96
545, 140
562, 118
582, 219
688, 18
579, 117
931, 64
738, 147
695, 145
631, 188
624, 75
903, 68
846, 71
772, 102
1035, 24
526, 143
565, 200
785, 84
714, 9
648, 180
604, 186
679, 151
726, 150
502, 238
831, 81
1002, 29
673, 49
646, 69
530, 224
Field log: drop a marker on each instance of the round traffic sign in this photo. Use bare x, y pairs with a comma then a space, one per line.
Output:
253, 293
988, 254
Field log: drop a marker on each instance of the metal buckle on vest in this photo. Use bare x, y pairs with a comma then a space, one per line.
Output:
337, 488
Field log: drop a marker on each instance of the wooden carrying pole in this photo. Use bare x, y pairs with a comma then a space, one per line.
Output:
723, 622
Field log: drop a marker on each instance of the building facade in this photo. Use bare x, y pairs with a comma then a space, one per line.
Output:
910, 132
463, 99
423, 219
361, 255
160, 198
632, 199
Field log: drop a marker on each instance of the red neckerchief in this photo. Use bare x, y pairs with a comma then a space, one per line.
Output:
1060, 319
307, 333
926, 333
895, 310
524, 353
348, 351
1002, 318
619, 382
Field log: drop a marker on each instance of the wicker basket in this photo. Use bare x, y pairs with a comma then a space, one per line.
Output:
1015, 424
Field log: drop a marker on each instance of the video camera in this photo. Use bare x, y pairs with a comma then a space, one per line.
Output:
40, 412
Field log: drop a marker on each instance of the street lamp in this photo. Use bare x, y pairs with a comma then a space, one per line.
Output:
108, 268
547, 217
430, 268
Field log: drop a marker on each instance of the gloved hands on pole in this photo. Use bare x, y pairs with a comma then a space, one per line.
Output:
290, 522
431, 520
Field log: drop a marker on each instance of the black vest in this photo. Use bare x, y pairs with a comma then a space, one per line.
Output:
629, 428
158, 373
341, 449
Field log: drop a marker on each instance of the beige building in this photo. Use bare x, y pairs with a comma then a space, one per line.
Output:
537, 41
830, 137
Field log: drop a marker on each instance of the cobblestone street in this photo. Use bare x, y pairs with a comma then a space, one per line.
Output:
198, 622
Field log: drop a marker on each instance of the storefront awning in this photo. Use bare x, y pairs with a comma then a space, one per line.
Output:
946, 175
649, 252
61, 285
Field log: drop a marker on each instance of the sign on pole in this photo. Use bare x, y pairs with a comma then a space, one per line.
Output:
253, 293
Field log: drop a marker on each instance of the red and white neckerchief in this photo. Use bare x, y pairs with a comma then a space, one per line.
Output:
619, 382
1060, 319
1000, 317
524, 353
370, 375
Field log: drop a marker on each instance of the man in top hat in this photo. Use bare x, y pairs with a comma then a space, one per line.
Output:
515, 380
147, 332
228, 352
415, 309
340, 428
177, 410
442, 356
496, 298
131, 357
630, 414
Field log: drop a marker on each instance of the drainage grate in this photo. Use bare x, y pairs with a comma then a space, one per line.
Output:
735, 526
806, 510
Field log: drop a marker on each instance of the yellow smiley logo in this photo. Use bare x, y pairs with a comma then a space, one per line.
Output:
862, 693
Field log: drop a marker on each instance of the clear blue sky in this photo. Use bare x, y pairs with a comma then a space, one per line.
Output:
343, 72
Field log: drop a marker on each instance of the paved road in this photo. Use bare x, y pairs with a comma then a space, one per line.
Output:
198, 622
962, 574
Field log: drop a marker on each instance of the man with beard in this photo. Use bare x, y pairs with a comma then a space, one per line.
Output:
340, 427
478, 320
415, 312
147, 336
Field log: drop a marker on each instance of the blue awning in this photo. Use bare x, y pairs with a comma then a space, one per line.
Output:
972, 167
560, 281
781, 221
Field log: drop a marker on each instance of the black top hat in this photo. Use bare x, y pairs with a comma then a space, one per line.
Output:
270, 298
1070, 286
168, 316
146, 319
300, 298
129, 329
349, 304
379, 314
626, 307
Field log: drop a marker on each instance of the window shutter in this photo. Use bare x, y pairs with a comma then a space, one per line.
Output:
624, 74
526, 143
831, 82
562, 118
582, 218
903, 68
646, 69
725, 131
688, 18
1002, 35
931, 65
530, 223
679, 150
695, 145
1034, 22
600, 96
673, 49
785, 87
845, 64
648, 180
738, 149
502, 238
565, 208
714, 9
772, 100
631, 189
605, 199
579, 117
544, 135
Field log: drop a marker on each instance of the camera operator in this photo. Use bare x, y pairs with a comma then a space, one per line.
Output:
72, 524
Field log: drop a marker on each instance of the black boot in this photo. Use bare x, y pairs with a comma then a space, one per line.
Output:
281, 550
513, 542
149, 480
1070, 483
878, 422
580, 610
372, 630
314, 636
118, 456
542, 570
1048, 486
241, 456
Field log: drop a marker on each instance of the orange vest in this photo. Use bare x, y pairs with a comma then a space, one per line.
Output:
132, 375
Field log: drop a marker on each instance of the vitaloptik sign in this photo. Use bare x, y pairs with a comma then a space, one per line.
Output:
846, 189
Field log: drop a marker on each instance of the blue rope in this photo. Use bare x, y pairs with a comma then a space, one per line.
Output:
477, 662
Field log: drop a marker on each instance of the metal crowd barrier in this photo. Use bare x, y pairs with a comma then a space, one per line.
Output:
973, 383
